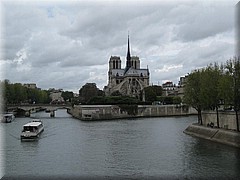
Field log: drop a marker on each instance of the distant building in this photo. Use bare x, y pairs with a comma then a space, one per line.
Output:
56, 96
181, 85
128, 81
75, 95
169, 89
182, 81
30, 85
53, 90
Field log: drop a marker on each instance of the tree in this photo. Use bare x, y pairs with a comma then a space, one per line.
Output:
17, 93
67, 95
32, 95
209, 83
157, 89
116, 93
5, 86
192, 92
88, 91
177, 100
233, 67
225, 88
20, 93
44, 97
150, 94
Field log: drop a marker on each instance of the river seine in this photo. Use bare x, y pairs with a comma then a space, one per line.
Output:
130, 149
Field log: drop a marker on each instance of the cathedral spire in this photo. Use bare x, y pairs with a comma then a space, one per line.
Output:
128, 64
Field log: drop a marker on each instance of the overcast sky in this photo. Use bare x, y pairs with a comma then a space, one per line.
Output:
65, 45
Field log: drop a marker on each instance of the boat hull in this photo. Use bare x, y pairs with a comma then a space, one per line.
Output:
7, 118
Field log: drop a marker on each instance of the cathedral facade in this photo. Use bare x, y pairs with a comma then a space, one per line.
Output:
129, 81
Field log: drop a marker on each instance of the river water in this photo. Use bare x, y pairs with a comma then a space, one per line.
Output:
131, 149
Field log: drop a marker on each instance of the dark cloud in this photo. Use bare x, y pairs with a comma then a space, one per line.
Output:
64, 45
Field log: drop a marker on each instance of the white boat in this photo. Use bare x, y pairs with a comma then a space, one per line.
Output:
7, 118
32, 130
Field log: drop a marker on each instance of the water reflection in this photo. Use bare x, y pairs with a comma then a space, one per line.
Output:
124, 147
237, 162
204, 158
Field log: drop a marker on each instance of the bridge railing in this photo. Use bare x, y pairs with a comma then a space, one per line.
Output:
38, 105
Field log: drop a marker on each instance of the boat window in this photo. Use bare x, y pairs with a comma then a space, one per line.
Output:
28, 128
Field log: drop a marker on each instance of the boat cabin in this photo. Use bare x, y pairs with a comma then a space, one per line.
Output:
32, 126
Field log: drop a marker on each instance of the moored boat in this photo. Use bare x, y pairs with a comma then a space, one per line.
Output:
7, 118
32, 130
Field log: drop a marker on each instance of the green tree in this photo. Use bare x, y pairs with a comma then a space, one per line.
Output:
233, 67
177, 100
43, 97
192, 93
6, 91
10, 91
225, 88
67, 95
209, 95
150, 94
20, 93
157, 89
32, 95
88, 91
116, 93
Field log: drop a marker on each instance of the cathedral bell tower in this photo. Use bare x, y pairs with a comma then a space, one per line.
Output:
129, 81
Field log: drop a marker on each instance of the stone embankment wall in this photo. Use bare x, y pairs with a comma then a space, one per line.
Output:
98, 112
164, 110
214, 134
227, 119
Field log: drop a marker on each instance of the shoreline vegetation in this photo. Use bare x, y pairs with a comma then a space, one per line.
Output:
215, 89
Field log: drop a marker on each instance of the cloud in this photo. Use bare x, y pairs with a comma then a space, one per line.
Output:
169, 68
65, 45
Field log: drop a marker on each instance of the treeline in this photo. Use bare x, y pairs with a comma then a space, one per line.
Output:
16, 93
90, 94
214, 86
169, 99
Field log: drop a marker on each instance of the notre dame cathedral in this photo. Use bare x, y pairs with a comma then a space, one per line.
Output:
129, 81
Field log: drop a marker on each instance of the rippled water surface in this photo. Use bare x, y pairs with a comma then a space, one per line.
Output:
132, 148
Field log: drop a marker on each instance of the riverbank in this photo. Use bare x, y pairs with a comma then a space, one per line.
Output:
107, 112
223, 136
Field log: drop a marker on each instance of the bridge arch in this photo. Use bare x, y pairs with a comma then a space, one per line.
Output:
27, 109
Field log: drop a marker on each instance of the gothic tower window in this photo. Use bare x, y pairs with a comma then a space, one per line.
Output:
134, 81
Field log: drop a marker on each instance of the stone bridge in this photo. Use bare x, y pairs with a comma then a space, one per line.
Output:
27, 109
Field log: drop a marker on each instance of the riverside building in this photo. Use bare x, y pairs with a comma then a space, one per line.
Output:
130, 80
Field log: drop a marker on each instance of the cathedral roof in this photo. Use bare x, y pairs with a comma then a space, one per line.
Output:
139, 72
130, 72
